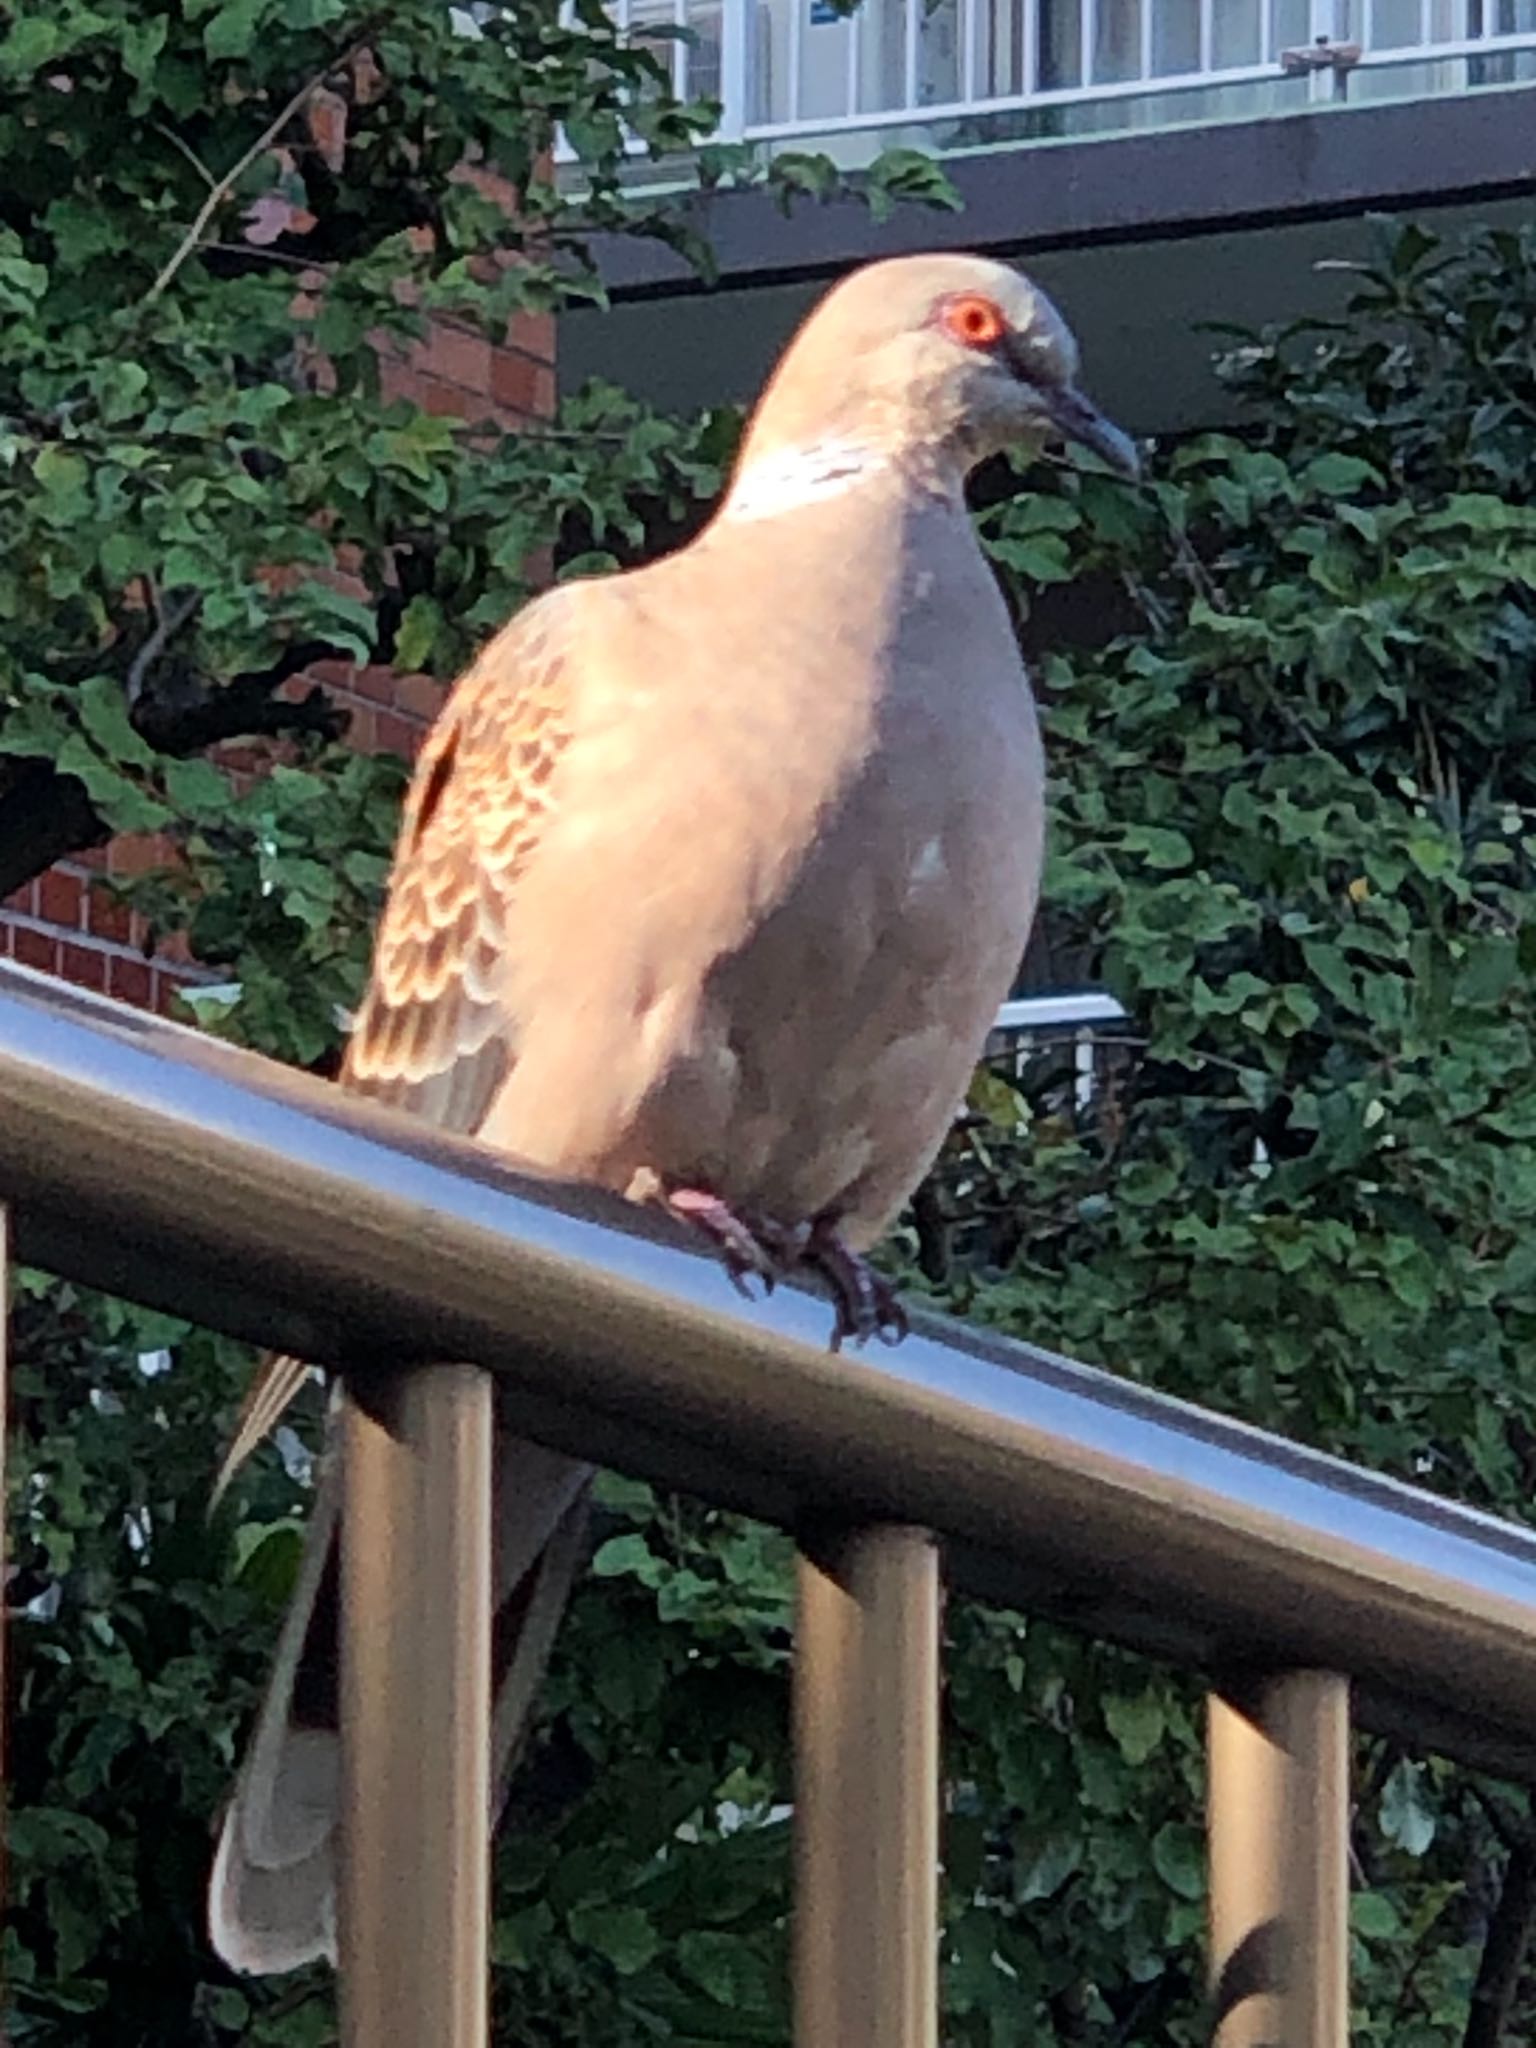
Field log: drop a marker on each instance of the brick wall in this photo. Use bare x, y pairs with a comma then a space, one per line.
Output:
65, 922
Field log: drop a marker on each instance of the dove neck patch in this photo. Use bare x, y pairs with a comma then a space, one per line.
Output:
792, 477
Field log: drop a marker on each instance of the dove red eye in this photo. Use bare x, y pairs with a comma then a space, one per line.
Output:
974, 320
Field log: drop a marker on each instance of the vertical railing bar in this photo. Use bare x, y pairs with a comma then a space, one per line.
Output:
1206, 36
680, 50
866, 1725
1267, 50
852, 24
1144, 25
1087, 37
1278, 1828
911, 22
968, 50
737, 82
414, 1877
795, 7
1029, 65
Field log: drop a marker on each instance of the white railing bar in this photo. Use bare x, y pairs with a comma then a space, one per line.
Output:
1029, 56
911, 19
734, 71
744, 10
1266, 31
968, 49
851, 78
1059, 1011
954, 110
1144, 56
1462, 46
1188, 81
1087, 40
1207, 36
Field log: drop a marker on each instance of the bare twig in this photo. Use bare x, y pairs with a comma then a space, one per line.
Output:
264, 141
188, 152
168, 623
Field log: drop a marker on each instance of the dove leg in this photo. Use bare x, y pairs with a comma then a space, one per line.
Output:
744, 1248
867, 1304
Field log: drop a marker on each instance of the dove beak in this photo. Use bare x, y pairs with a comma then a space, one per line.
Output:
1076, 418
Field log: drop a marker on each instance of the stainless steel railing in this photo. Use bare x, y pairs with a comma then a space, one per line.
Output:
142, 1157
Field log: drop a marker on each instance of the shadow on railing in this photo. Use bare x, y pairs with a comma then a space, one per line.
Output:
268, 1205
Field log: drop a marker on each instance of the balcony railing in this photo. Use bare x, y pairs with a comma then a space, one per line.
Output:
949, 75
144, 1158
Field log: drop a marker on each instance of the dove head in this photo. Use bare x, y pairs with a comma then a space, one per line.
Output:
941, 359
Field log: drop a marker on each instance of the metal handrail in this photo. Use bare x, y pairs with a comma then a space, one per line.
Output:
142, 1157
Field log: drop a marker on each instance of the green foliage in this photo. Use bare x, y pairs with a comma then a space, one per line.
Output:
1295, 830
217, 215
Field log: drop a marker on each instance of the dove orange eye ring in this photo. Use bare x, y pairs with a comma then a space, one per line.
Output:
973, 319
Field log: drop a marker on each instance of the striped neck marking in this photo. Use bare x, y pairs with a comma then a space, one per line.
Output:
795, 476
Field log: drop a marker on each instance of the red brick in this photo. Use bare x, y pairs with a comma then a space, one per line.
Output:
363, 733
397, 735
419, 696
93, 857
457, 357
445, 400
534, 334
108, 917
83, 965
173, 949
38, 949
527, 386
23, 899
61, 899
131, 981
333, 675
375, 682
137, 852
168, 988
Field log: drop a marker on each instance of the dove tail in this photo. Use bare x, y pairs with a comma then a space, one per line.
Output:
278, 1379
271, 1898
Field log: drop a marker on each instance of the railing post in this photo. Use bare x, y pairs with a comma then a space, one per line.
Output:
866, 1719
1278, 1818
415, 1711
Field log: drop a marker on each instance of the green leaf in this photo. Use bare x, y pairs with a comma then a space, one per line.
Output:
1406, 1816
627, 1557
104, 713
232, 31
29, 43
420, 625
1178, 1857
1136, 1722
267, 1559
624, 1935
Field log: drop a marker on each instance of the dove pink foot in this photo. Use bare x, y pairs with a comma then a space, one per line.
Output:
740, 1244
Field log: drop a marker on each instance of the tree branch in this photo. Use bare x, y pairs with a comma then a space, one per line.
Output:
1504, 1952
222, 188
46, 816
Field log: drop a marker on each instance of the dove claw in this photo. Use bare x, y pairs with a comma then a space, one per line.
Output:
866, 1304
741, 1248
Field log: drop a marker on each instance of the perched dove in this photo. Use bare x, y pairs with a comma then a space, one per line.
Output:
710, 880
